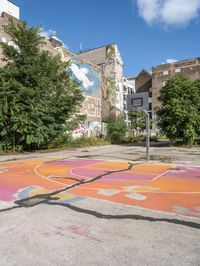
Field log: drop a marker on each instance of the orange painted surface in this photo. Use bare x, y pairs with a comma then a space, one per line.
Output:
161, 187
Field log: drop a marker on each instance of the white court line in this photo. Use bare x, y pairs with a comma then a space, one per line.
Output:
46, 178
137, 191
53, 181
131, 171
61, 183
162, 174
50, 180
80, 168
136, 180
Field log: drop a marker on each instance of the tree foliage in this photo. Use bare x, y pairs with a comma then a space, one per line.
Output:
138, 120
38, 99
179, 113
117, 125
117, 129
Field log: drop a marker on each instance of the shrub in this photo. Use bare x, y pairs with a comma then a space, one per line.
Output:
117, 125
154, 138
60, 141
117, 137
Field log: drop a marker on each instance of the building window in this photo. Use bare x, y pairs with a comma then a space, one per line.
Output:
177, 70
166, 72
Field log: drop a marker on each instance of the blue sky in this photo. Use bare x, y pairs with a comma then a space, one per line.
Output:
148, 32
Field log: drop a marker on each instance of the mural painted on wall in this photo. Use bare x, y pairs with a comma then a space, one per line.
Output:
88, 77
92, 107
161, 187
90, 81
113, 84
88, 129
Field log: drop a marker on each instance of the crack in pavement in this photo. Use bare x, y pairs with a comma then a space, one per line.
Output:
126, 216
46, 198
11, 208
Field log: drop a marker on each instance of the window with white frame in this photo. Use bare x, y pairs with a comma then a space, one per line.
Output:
166, 72
177, 70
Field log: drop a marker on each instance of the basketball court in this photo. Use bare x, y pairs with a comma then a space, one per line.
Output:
159, 187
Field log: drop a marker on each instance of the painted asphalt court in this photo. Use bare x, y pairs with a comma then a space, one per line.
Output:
159, 187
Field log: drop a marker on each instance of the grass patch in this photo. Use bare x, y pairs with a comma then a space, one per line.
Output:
67, 142
87, 142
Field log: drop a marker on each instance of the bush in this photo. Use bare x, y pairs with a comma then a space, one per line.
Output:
154, 138
88, 141
117, 137
60, 141
117, 125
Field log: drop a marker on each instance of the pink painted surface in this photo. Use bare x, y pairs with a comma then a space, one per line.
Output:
162, 187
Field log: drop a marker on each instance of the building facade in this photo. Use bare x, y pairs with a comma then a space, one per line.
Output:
142, 97
89, 77
129, 91
9, 8
109, 59
162, 73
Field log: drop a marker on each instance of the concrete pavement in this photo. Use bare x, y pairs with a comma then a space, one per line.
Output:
57, 209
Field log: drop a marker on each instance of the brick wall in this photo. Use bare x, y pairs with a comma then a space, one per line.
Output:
143, 82
162, 73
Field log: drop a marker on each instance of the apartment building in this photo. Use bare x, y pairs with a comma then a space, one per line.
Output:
129, 91
142, 97
161, 73
109, 59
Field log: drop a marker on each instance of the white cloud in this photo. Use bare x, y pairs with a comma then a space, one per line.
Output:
170, 60
169, 12
148, 9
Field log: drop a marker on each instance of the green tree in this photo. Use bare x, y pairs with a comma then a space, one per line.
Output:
38, 99
179, 113
117, 129
138, 120
117, 125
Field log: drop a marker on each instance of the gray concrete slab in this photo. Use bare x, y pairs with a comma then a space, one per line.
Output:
94, 232
53, 235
